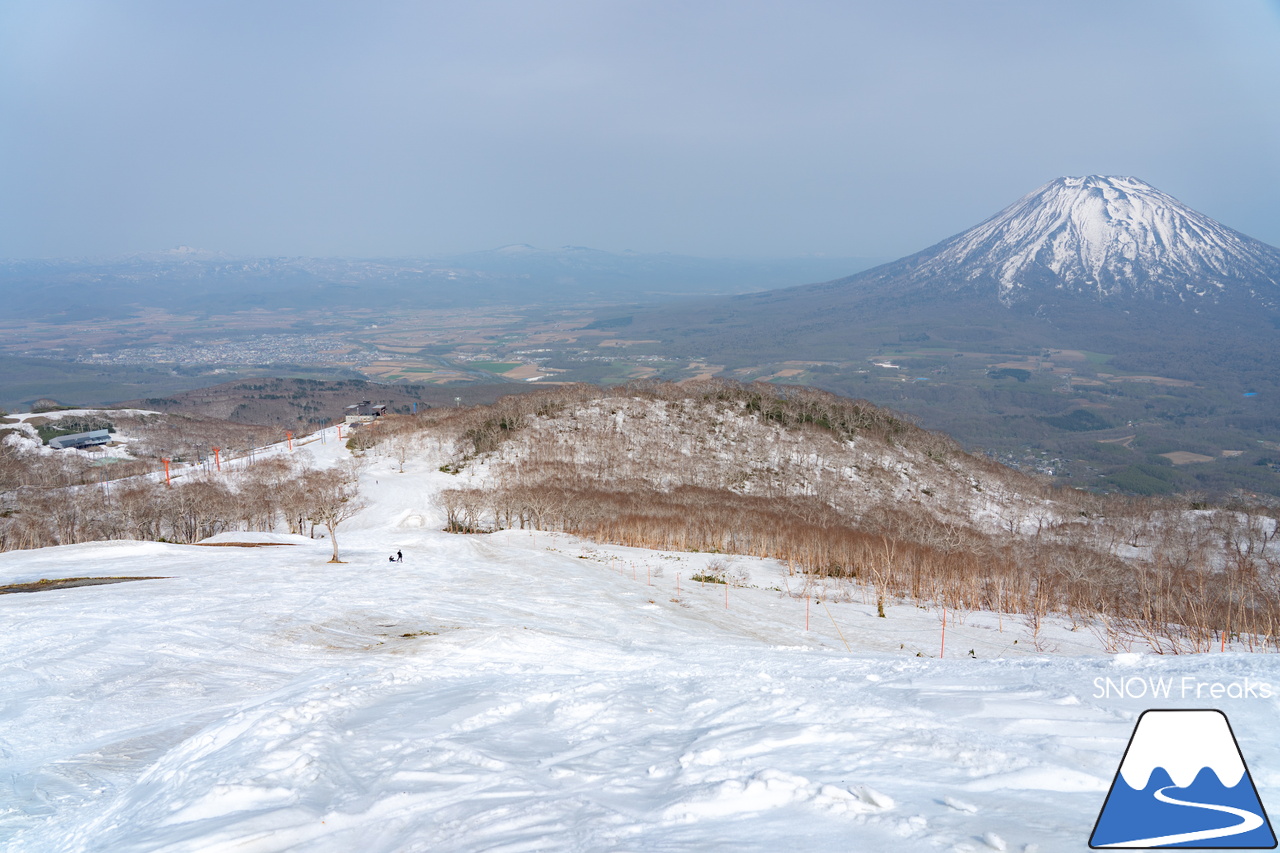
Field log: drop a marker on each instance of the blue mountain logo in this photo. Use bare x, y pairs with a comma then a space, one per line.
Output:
1183, 783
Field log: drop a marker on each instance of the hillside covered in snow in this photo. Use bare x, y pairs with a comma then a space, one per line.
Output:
530, 689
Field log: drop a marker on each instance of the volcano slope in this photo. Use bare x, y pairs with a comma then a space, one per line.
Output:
1107, 294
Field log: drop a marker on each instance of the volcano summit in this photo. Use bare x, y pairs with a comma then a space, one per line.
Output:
1101, 237
1103, 263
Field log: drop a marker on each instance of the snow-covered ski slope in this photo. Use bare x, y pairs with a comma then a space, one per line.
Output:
519, 692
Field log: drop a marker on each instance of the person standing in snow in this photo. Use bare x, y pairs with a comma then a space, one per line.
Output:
399, 557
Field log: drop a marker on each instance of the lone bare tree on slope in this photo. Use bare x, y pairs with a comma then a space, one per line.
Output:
333, 494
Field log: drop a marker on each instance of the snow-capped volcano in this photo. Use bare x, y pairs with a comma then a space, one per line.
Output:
1183, 743
1101, 237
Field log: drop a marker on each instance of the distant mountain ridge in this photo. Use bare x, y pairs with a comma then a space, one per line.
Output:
1099, 237
200, 280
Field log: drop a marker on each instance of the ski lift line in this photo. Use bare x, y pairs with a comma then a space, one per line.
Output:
178, 471
837, 627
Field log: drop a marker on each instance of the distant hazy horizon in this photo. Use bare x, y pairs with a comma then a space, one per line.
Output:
203, 252
720, 129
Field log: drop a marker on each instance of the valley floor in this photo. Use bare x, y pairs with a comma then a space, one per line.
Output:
521, 691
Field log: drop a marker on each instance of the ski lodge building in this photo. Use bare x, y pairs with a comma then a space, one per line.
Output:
364, 413
81, 439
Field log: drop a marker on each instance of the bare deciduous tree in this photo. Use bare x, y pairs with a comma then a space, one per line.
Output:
333, 495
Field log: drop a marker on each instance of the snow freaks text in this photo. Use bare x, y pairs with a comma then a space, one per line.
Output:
1184, 687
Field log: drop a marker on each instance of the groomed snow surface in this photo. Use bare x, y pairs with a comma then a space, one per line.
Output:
520, 692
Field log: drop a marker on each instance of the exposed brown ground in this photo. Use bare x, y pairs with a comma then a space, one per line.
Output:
523, 372
1183, 457
1033, 366
67, 583
241, 544
1157, 380
705, 371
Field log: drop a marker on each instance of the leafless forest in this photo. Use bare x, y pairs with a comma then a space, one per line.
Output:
842, 489
66, 498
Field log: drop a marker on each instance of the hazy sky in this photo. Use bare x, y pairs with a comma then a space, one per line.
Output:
709, 128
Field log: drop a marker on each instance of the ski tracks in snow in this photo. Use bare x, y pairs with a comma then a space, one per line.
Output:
523, 740
489, 694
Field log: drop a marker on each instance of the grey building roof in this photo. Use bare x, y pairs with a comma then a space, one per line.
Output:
81, 439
